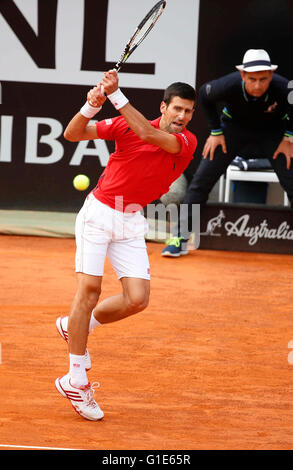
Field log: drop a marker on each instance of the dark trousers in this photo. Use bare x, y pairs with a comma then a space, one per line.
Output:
245, 144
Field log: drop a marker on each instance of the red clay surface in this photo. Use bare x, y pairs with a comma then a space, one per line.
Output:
204, 367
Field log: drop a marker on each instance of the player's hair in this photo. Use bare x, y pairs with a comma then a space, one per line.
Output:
183, 90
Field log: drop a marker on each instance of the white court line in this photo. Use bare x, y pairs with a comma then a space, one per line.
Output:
34, 447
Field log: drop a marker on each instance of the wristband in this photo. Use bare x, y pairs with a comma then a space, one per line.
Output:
215, 132
289, 136
117, 99
89, 111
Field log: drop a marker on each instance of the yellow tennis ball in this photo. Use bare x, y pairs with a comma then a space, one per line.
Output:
81, 182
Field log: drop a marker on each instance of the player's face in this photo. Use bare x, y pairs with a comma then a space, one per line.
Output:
176, 115
257, 83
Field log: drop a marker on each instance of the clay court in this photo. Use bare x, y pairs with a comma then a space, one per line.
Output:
204, 367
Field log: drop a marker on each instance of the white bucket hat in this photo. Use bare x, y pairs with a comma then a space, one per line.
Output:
255, 60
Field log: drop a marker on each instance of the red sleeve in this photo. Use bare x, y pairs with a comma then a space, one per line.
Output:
109, 129
188, 143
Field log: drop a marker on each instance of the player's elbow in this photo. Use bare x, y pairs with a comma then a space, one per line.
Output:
68, 135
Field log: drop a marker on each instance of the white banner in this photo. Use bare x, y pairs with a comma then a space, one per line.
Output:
171, 46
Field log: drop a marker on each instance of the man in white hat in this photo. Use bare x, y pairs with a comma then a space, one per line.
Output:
256, 121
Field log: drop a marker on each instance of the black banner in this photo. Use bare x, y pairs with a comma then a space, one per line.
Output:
37, 164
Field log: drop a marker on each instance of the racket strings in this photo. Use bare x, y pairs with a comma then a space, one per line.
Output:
141, 32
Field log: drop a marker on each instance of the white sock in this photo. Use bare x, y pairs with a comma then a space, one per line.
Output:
77, 372
93, 323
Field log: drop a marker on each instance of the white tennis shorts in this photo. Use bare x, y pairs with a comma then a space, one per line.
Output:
101, 231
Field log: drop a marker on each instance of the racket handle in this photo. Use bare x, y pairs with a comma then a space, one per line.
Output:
102, 90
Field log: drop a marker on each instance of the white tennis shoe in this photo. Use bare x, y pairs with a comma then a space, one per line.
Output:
82, 399
62, 327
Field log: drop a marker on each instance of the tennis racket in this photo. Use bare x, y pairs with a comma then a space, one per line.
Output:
143, 29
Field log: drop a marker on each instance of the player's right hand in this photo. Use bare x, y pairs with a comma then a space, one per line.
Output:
212, 142
110, 81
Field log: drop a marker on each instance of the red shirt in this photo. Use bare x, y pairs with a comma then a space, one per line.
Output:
138, 173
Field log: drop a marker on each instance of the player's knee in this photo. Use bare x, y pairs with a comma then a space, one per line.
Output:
89, 294
92, 298
137, 301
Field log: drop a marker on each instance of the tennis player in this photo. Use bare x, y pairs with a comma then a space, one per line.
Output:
148, 157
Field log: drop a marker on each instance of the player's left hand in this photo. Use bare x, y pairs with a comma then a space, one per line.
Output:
96, 97
286, 148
